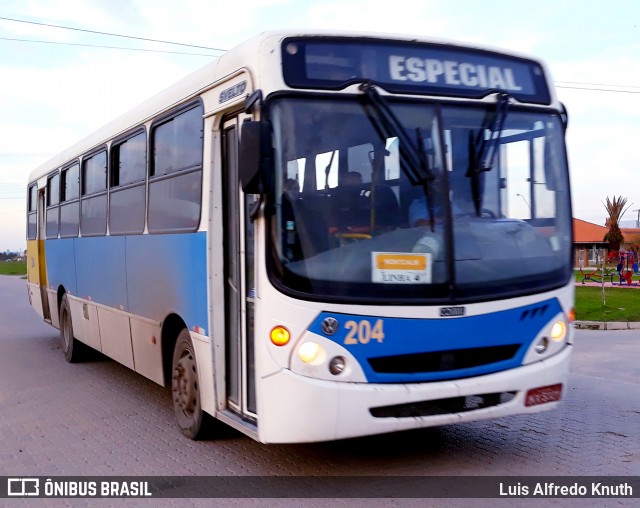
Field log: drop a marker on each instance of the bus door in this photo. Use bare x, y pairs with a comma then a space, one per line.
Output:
38, 262
239, 276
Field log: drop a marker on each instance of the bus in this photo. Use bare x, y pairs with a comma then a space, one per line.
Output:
320, 236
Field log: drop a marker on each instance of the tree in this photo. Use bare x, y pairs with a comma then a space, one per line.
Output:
616, 209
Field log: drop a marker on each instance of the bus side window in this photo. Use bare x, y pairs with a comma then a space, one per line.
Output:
69, 201
93, 220
32, 218
175, 182
53, 200
127, 190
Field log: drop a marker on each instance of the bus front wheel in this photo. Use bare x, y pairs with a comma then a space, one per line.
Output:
185, 388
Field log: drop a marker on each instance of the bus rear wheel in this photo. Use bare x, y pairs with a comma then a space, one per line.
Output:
185, 388
72, 348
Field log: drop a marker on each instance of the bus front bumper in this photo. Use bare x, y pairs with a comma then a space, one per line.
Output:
298, 409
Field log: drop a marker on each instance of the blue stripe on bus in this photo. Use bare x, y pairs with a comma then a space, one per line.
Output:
100, 263
146, 275
61, 268
402, 336
168, 273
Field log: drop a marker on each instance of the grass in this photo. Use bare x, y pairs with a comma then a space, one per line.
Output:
622, 304
13, 268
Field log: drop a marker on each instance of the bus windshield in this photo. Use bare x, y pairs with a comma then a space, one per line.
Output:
352, 222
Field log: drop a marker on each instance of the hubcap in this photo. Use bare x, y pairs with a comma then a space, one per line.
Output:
66, 332
185, 383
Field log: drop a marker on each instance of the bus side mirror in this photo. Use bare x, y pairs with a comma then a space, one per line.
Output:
255, 157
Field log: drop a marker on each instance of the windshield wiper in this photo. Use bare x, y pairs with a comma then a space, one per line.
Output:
482, 150
413, 154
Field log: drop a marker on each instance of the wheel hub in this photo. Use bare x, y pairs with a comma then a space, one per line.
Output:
66, 332
185, 383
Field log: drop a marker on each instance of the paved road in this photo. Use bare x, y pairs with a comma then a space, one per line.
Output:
99, 418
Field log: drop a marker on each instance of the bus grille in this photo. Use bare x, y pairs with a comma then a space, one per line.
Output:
442, 361
442, 406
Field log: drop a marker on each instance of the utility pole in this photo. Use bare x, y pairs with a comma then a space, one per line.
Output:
638, 219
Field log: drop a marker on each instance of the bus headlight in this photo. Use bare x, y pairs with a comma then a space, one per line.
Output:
311, 352
559, 331
317, 357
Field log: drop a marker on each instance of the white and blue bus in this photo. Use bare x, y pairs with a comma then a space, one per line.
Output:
320, 236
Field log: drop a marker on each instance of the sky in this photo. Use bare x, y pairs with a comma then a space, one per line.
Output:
53, 94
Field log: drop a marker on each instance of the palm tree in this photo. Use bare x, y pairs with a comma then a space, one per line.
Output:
616, 209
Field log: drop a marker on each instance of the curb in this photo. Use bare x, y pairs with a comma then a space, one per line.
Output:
599, 325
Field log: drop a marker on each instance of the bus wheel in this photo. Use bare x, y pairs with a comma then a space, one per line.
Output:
185, 388
71, 347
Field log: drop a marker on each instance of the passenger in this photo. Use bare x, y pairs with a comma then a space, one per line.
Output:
351, 179
291, 188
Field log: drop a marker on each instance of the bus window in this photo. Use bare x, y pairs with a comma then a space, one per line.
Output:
53, 199
69, 201
358, 160
32, 213
546, 177
127, 196
327, 170
93, 219
175, 185
392, 160
515, 157
177, 143
129, 161
295, 171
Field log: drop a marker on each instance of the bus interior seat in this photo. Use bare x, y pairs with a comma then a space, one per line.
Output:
311, 226
386, 206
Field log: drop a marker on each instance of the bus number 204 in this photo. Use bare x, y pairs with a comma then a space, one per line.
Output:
362, 332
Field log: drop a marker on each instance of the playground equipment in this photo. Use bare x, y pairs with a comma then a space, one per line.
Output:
596, 276
627, 266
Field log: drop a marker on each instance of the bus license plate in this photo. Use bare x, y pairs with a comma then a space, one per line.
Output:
543, 395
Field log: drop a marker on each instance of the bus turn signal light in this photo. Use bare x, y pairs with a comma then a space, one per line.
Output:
280, 336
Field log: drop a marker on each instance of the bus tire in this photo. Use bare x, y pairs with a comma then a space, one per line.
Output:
185, 388
71, 347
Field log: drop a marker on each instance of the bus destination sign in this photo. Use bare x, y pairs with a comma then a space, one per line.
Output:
417, 68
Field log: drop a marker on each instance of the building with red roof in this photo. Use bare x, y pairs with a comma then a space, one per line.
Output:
588, 243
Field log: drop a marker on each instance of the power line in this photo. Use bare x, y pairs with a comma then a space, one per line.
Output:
105, 47
597, 84
109, 34
597, 89
586, 86
213, 56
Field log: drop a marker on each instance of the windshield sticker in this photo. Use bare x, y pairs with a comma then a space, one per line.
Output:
400, 268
